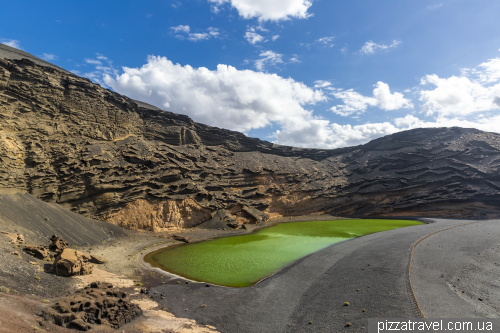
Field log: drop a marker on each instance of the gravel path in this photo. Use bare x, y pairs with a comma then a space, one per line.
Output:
309, 295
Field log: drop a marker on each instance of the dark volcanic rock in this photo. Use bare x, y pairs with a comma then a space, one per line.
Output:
96, 304
65, 139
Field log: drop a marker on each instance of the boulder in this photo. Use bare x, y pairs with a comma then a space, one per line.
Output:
181, 238
37, 251
72, 262
58, 244
97, 304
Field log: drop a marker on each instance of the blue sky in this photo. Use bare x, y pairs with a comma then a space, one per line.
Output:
304, 73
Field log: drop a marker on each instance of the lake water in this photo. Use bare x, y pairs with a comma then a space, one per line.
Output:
240, 261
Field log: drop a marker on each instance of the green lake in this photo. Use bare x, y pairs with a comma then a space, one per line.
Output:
240, 261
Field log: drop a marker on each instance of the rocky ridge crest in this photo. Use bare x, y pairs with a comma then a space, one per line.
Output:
67, 140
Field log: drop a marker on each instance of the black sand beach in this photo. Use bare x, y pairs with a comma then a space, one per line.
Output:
309, 295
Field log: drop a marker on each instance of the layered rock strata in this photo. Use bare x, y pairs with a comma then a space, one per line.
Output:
67, 140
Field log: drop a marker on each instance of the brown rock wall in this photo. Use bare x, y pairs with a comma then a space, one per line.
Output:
169, 214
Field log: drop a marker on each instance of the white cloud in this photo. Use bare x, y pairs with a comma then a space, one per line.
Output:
226, 97
11, 42
100, 69
343, 50
268, 58
93, 61
253, 37
294, 59
181, 28
194, 36
48, 56
388, 101
266, 10
327, 41
198, 36
489, 71
355, 103
371, 47
323, 134
458, 96
322, 84
275, 37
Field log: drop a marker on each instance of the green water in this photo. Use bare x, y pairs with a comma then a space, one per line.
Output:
240, 261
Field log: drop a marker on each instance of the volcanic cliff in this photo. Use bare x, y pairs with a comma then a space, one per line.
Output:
67, 140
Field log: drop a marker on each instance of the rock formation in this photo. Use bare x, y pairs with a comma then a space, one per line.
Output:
97, 304
67, 140
72, 262
58, 244
36, 251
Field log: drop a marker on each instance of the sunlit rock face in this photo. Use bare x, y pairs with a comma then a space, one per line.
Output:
67, 140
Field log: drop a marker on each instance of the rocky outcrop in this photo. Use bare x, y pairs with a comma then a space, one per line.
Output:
97, 304
58, 244
101, 154
160, 215
72, 262
37, 251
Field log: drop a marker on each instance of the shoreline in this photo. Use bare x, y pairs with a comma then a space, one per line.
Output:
126, 265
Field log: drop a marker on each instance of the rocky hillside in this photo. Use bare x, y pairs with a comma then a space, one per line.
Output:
67, 140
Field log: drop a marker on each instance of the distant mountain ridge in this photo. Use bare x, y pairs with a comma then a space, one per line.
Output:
67, 140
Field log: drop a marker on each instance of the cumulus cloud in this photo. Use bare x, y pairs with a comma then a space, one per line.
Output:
478, 90
355, 103
323, 134
371, 47
388, 101
266, 10
252, 37
49, 57
275, 37
226, 97
268, 58
11, 42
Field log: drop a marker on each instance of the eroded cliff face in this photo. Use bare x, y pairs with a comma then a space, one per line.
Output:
160, 216
100, 154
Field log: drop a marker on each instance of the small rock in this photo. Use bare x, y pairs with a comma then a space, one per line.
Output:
16, 253
181, 238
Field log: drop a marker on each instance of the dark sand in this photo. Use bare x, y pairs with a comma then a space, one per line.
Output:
314, 288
